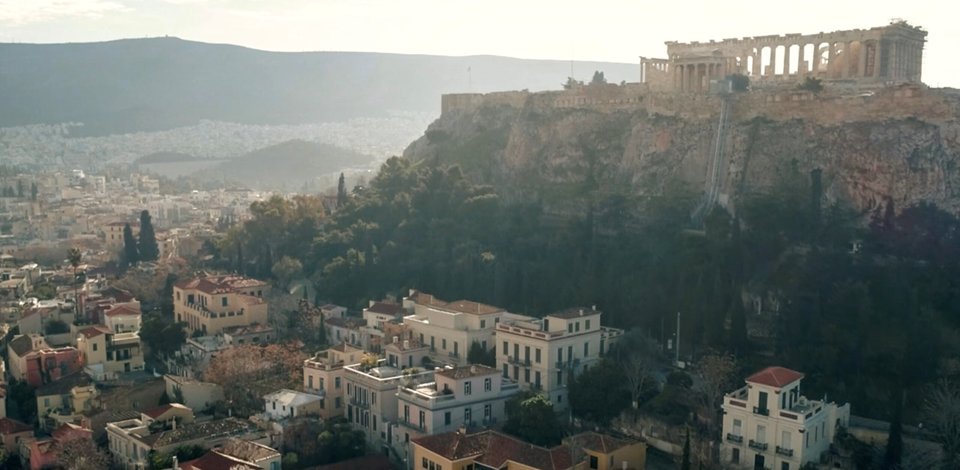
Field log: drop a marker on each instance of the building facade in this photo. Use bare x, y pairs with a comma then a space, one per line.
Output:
371, 399
323, 376
769, 424
546, 353
450, 328
210, 304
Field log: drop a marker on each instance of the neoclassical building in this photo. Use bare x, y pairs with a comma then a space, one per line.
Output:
892, 53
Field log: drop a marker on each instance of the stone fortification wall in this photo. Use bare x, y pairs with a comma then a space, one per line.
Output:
784, 104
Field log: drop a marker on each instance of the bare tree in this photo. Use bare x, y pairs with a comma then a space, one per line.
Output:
716, 374
941, 411
637, 356
81, 453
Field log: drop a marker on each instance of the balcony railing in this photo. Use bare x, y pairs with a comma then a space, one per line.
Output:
734, 438
761, 446
784, 451
761, 411
518, 361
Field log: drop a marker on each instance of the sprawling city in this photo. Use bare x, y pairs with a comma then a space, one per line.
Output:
730, 253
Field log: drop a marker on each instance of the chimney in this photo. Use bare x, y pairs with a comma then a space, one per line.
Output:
594, 307
396, 339
581, 312
406, 344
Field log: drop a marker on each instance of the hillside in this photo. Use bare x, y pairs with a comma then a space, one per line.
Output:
159, 83
287, 165
900, 144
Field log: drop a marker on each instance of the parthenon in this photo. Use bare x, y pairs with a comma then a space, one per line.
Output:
884, 54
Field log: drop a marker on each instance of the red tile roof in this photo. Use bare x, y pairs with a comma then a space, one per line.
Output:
95, 330
216, 461
775, 376
156, 412
385, 308
122, 310
494, 449
12, 426
220, 284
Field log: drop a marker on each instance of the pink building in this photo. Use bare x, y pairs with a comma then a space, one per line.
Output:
49, 365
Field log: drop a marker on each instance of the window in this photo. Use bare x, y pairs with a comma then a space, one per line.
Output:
223, 301
506, 349
349, 389
594, 462
506, 371
784, 466
466, 387
466, 415
337, 403
537, 356
559, 354
423, 418
424, 462
483, 324
446, 418
516, 373
587, 326
569, 327
406, 413
336, 383
737, 427
536, 378
487, 384
586, 349
526, 353
274, 405
373, 398
443, 343
526, 375
374, 423
487, 412
577, 327
94, 346
310, 381
516, 351
761, 433
785, 440
735, 457
559, 378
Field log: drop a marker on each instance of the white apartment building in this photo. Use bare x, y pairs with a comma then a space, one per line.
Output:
545, 353
767, 424
449, 328
458, 396
371, 399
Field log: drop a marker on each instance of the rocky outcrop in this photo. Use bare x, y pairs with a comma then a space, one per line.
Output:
901, 143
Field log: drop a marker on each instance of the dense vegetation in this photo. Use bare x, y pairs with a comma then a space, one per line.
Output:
862, 324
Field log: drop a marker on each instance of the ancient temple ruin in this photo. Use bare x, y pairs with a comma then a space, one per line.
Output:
860, 57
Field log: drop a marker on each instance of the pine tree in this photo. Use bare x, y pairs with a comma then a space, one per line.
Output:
685, 463
131, 254
341, 192
148, 239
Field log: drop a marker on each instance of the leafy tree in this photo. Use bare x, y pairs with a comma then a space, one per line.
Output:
478, 355
739, 82
530, 417
286, 270
598, 78
21, 401
162, 335
290, 460
149, 251
339, 441
600, 393
131, 252
811, 84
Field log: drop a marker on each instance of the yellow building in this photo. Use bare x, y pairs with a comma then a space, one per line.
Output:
323, 376
113, 233
460, 450
107, 354
210, 304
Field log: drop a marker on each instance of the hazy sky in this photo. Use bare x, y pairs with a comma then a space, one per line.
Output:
608, 30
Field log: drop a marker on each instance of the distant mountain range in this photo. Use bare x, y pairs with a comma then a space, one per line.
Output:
159, 83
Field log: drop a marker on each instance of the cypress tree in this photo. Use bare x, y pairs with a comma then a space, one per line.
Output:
148, 238
131, 254
341, 191
894, 451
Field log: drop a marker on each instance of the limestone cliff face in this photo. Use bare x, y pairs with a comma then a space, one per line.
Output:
901, 143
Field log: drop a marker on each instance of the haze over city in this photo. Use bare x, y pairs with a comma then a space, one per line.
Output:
605, 30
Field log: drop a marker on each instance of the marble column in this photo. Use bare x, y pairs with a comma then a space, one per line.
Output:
862, 65
831, 60
773, 61
845, 63
757, 59
877, 53
786, 60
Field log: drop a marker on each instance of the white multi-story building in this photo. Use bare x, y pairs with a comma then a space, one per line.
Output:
545, 353
323, 376
459, 396
449, 328
371, 399
767, 424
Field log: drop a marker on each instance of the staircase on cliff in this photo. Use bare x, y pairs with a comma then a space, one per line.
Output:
717, 167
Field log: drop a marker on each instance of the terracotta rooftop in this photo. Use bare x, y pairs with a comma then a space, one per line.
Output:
12, 426
21, 344
220, 284
574, 313
158, 411
95, 330
246, 450
122, 309
597, 442
385, 308
494, 449
775, 376
216, 461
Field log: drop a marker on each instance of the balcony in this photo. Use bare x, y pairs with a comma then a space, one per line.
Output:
519, 362
761, 446
761, 411
734, 438
784, 451
408, 424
